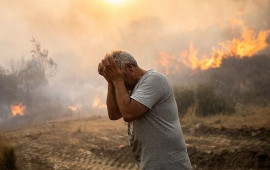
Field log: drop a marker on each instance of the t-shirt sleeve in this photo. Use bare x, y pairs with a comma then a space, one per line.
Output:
150, 91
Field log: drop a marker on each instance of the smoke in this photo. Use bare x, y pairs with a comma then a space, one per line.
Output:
78, 33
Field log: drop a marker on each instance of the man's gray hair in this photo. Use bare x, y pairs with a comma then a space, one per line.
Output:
120, 56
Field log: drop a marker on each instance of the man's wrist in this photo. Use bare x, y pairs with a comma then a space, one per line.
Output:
117, 82
110, 84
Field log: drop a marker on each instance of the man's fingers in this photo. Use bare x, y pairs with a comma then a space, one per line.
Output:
112, 63
107, 62
100, 67
101, 72
111, 59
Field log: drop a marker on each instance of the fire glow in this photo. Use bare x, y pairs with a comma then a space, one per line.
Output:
73, 108
17, 109
115, 1
97, 104
246, 46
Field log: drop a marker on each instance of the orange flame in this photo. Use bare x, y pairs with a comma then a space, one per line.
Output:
97, 104
246, 46
73, 108
250, 44
192, 60
167, 62
17, 109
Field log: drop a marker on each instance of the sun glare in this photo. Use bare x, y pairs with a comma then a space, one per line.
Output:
116, 1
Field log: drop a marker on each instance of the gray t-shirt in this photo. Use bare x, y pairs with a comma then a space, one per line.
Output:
156, 138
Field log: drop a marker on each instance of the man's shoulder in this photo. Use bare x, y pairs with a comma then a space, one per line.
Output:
155, 76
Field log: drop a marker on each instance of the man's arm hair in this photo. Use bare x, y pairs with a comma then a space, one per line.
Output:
130, 109
112, 107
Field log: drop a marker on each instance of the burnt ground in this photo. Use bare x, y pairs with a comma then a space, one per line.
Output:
223, 148
98, 143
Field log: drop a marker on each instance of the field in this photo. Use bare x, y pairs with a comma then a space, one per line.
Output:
240, 141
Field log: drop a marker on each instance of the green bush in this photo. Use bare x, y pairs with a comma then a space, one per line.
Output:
209, 102
204, 99
184, 98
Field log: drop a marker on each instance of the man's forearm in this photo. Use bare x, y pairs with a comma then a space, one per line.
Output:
122, 98
112, 107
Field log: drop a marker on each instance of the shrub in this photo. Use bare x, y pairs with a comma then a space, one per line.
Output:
184, 98
7, 155
79, 130
209, 102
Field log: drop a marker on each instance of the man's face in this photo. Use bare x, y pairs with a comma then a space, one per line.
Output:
129, 80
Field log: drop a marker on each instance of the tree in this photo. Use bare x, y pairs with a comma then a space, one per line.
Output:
35, 72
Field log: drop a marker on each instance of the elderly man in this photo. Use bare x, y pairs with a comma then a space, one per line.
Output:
146, 101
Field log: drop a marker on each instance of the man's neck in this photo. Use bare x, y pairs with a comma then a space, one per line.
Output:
140, 72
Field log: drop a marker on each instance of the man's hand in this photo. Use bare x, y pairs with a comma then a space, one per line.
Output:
101, 71
112, 71
112, 107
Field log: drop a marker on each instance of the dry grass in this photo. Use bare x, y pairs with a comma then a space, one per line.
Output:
251, 116
7, 155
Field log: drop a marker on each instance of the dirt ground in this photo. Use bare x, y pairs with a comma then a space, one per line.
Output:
98, 143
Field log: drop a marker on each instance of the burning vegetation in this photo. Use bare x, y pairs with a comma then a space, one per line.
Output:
27, 82
18, 109
237, 82
73, 108
247, 45
98, 104
235, 73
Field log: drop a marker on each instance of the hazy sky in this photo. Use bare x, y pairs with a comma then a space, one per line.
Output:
78, 33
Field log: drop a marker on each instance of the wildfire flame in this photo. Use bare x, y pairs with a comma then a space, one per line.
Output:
246, 46
73, 108
97, 104
17, 109
250, 44
167, 61
192, 60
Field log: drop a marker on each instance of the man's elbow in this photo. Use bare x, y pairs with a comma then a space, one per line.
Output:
128, 118
114, 117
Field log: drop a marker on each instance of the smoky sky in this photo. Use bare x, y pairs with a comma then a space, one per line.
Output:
78, 33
